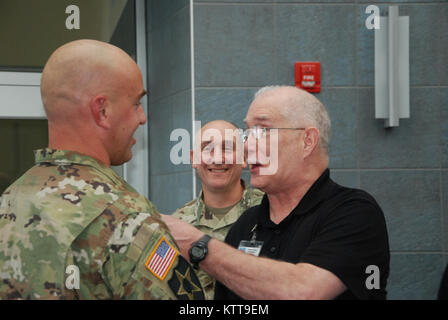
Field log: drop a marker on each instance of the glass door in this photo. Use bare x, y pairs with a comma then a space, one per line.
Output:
34, 29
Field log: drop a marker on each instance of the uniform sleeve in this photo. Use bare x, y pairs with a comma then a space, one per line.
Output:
147, 265
350, 239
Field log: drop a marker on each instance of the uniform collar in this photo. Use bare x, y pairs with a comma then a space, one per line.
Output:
230, 217
67, 157
320, 190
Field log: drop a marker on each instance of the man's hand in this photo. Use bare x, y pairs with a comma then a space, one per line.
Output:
184, 233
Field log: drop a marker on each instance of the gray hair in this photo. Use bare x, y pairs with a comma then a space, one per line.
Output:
303, 106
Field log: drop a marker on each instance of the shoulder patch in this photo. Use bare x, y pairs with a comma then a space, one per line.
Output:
185, 283
161, 258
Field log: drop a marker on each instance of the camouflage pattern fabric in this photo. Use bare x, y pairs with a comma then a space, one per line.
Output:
195, 213
71, 210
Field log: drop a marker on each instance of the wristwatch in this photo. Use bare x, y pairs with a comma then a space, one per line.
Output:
199, 250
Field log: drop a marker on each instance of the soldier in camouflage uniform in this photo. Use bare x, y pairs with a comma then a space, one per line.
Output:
223, 198
70, 227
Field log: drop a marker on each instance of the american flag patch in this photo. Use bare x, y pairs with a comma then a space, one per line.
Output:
161, 259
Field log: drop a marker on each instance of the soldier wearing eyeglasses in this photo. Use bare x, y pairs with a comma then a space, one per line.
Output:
310, 238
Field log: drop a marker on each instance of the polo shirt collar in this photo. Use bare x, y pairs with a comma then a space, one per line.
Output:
318, 192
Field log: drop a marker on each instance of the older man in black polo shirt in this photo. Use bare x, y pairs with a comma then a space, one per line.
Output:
310, 238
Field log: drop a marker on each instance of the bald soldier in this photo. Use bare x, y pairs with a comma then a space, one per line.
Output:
310, 238
70, 227
224, 195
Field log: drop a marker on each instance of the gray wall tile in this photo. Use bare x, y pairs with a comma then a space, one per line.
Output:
181, 119
233, 1
346, 178
168, 114
169, 68
366, 47
161, 10
234, 45
443, 64
397, 1
181, 102
411, 204
341, 105
314, 1
414, 144
169, 71
223, 104
424, 42
322, 33
274, 1
169, 192
159, 137
415, 276
444, 127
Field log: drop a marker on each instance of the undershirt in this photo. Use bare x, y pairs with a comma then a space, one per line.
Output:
219, 212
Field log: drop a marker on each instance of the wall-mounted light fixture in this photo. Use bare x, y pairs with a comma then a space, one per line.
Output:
392, 68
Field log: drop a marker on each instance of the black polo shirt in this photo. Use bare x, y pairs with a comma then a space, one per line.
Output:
339, 229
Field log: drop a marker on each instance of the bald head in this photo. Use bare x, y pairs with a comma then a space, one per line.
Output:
300, 108
91, 92
77, 71
220, 132
213, 127
218, 124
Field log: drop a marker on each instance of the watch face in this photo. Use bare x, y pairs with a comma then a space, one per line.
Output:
197, 252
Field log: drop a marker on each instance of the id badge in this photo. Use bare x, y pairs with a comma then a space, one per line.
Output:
251, 247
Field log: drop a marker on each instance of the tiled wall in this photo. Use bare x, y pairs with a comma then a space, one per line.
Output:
169, 82
243, 45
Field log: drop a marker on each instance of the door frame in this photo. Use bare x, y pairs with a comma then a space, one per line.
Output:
21, 91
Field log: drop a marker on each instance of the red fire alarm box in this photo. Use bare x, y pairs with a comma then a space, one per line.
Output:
308, 76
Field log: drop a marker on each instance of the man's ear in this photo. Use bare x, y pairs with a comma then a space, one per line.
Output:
193, 164
310, 140
98, 108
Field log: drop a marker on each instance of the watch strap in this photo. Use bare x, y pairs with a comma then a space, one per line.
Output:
201, 243
204, 240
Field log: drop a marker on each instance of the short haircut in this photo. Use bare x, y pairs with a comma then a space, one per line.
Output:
301, 107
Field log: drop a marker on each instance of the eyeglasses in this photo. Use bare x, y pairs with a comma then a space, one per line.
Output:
260, 133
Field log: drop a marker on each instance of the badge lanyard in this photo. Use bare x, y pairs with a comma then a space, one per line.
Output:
251, 246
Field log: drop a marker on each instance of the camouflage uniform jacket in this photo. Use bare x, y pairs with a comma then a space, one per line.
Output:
195, 213
71, 214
